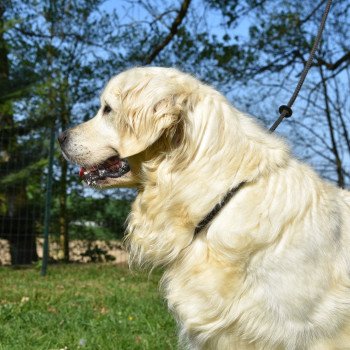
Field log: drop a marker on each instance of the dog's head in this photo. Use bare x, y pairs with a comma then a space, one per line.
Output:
137, 108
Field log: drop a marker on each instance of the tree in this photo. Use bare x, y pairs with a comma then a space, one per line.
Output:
18, 218
50, 43
71, 46
57, 55
279, 39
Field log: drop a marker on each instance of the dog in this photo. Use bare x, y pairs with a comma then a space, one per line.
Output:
271, 270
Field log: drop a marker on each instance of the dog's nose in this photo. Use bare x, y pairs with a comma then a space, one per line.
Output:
63, 137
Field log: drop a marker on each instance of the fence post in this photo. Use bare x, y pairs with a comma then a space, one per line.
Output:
48, 203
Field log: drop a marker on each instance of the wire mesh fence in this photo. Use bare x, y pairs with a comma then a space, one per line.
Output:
84, 225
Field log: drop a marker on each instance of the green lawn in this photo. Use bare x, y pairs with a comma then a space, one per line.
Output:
92, 306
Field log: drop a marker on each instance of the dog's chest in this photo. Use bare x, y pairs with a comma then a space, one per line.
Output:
203, 291
219, 301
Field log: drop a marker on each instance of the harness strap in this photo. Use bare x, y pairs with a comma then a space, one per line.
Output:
218, 206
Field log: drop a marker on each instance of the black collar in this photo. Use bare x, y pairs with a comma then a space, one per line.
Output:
211, 215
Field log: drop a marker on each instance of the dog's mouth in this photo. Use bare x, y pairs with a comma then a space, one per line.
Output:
113, 167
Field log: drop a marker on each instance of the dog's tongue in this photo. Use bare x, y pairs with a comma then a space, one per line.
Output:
81, 172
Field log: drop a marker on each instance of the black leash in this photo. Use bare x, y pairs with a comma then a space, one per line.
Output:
285, 112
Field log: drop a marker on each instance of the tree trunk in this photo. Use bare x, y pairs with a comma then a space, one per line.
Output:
338, 163
63, 221
22, 238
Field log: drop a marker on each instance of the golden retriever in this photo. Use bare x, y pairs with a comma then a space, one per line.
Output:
271, 270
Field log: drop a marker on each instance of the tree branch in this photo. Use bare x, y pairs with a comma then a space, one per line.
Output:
172, 33
336, 64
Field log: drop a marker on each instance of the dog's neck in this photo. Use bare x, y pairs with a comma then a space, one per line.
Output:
218, 152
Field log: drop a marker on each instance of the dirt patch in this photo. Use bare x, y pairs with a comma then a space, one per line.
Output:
5, 257
76, 248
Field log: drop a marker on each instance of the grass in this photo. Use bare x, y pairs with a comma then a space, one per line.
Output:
92, 306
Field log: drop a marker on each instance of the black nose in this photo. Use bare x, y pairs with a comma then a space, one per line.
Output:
63, 137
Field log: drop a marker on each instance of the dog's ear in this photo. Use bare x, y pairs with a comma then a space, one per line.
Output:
145, 123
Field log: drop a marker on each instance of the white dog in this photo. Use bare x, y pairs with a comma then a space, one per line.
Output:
271, 270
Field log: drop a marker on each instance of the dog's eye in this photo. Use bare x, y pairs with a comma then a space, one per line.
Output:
107, 109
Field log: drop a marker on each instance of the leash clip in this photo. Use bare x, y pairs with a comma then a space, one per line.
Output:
286, 110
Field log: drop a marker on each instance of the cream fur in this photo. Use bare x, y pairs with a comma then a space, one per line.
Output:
272, 270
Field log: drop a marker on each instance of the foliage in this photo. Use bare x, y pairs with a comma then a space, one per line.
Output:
64, 46
94, 218
97, 254
57, 55
278, 41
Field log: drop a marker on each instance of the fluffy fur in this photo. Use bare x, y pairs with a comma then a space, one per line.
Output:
271, 271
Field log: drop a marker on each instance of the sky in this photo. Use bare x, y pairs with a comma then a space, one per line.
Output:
267, 108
